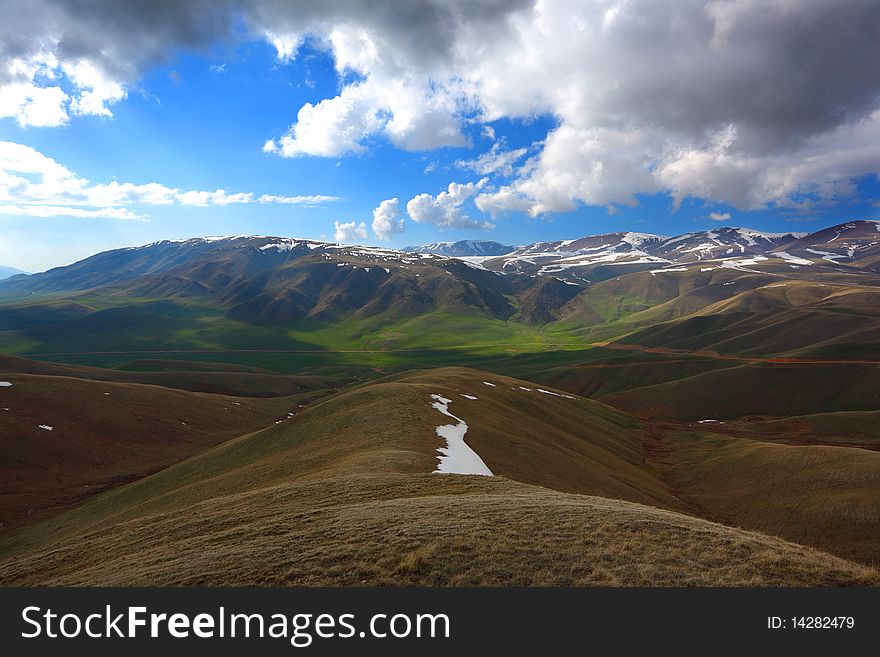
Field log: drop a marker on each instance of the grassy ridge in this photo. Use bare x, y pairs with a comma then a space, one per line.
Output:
817, 495
341, 494
756, 389
426, 530
103, 433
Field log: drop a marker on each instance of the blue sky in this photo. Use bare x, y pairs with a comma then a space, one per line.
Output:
199, 119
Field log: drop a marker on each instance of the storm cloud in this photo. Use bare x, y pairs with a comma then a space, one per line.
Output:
756, 103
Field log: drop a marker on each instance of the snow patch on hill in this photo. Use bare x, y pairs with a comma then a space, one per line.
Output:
457, 457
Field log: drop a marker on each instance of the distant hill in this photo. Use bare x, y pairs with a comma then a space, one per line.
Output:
6, 272
462, 248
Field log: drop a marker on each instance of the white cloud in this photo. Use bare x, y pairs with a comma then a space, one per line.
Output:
502, 201
32, 93
387, 220
95, 89
307, 200
646, 100
497, 160
34, 106
29, 103
218, 197
748, 102
334, 126
59, 60
592, 165
445, 210
62, 211
413, 116
349, 232
36, 185
719, 216
285, 45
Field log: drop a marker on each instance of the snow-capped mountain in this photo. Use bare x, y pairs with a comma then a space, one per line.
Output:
720, 243
599, 257
579, 259
844, 244
462, 248
199, 265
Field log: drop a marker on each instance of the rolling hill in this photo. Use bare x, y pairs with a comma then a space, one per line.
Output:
70, 432
343, 493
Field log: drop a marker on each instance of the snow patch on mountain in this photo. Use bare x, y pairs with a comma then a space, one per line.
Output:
792, 258
462, 248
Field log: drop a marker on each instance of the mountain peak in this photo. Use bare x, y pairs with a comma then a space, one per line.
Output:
462, 248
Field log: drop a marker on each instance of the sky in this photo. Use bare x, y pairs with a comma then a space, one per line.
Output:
405, 123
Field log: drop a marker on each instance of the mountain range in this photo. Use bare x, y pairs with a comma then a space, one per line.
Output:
273, 281
849, 246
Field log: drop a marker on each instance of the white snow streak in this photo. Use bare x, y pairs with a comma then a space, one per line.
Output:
793, 258
555, 394
654, 272
457, 457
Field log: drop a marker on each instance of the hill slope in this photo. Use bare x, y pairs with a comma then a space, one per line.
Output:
65, 439
343, 494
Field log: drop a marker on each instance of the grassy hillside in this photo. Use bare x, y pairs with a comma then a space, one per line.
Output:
767, 389
343, 493
854, 428
64, 439
220, 378
427, 530
817, 495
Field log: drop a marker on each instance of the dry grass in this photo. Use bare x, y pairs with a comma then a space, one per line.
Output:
104, 434
342, 494
818, 495
429, 530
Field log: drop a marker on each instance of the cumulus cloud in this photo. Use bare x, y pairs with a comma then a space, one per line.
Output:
719, 216
34, 184
748, 102
387, 220
497, 160
725, 101
407, 85
445, 210
349, 232
61, 59
413, 116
